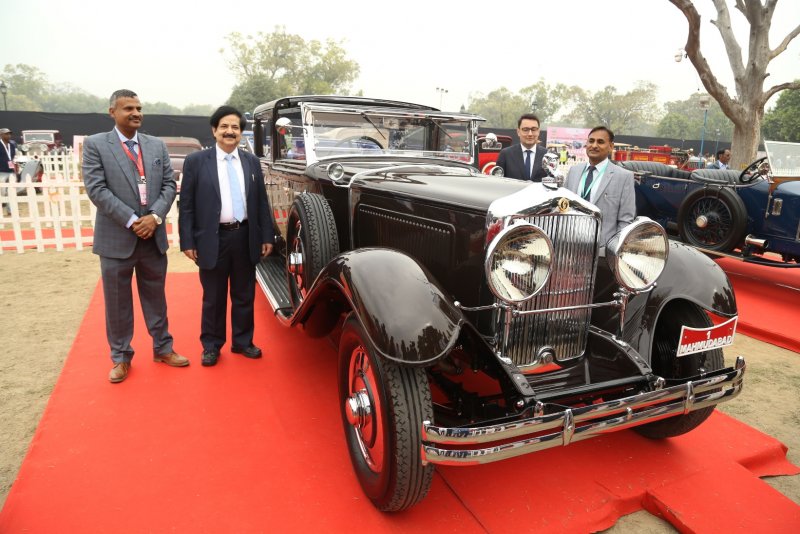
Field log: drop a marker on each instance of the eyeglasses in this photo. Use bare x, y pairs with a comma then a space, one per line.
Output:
529, 130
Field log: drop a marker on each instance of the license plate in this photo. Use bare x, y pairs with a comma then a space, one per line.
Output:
695, 340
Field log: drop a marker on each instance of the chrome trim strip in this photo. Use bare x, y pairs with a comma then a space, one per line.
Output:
631, 411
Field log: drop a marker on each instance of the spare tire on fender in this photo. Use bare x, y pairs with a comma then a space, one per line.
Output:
714, 219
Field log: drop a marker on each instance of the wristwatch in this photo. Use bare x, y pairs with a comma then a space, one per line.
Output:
156, 217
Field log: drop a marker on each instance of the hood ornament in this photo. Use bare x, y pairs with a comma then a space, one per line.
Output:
554, 178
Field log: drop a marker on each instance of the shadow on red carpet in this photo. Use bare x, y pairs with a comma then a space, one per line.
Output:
257, 446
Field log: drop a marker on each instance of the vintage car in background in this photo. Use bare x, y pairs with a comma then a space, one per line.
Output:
37, 143
748, 213
477, 318
488, 147
178, 148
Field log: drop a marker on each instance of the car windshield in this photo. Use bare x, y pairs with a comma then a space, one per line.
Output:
38, 136
376, 132
784, 158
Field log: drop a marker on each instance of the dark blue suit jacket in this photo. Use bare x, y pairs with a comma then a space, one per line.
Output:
513, 163
200, 206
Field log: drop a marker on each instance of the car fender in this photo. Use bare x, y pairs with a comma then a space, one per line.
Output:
689, 275
406, 313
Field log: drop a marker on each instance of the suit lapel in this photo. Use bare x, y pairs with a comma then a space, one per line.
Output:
246, 171
607, 177
211, 171
151, 170
125, 164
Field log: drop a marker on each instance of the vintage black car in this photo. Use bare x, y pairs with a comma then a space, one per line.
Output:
725, 212
477, 317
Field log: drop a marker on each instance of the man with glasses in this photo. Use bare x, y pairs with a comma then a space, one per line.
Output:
523, 161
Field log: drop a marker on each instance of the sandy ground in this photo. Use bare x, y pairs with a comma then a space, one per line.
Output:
45, 295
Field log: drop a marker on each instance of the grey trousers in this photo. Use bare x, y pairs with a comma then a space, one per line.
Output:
150, 267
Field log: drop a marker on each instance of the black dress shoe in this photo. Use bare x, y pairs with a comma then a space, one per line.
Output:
248, 352
210, 357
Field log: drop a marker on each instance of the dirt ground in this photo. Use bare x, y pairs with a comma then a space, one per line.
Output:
45, 295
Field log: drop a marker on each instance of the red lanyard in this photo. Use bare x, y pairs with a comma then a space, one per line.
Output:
137, 160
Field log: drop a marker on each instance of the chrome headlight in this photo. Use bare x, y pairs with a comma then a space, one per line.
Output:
518, 262
497, 171
335, 171
638, 254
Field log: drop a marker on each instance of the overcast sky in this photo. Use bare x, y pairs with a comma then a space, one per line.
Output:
168, 50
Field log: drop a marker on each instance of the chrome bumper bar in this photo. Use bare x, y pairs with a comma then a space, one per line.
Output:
577, 424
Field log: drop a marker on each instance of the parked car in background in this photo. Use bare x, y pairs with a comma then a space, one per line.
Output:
488, 148
178, 148
477, 318
745, 213
36, 143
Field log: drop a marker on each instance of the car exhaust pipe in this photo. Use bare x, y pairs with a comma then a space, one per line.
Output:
752, 241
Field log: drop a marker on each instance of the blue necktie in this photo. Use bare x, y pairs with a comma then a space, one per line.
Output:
236, 192
527, 164
131, 146
587, 185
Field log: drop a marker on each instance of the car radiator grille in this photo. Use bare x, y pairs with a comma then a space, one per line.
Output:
571, 283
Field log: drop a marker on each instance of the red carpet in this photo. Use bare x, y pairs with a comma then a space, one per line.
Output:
767, 298
257, 446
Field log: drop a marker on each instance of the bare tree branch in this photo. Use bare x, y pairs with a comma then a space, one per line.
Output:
778, 88
786, 40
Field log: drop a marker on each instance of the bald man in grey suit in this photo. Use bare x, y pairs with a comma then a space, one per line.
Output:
605, 185
128, 177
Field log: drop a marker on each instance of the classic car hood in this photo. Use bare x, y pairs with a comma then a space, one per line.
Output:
450, 185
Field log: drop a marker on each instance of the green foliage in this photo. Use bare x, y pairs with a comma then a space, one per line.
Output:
277, 64
30, 90
501, 108
684, 120
627, 113
782, 123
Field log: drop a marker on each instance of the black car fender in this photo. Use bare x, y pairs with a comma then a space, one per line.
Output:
689, 275
406, 313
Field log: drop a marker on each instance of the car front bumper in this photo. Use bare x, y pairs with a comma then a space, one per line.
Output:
467, 445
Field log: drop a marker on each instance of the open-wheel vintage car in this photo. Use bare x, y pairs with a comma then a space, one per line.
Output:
477, 318
729, 212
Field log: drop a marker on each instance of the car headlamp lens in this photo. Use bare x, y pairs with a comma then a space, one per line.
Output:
335, 171
638, 254
497, 171
518, 262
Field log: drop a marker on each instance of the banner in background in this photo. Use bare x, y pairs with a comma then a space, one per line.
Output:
573, 139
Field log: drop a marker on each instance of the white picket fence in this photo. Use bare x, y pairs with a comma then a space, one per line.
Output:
55, 213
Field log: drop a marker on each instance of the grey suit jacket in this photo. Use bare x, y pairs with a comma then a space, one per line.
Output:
111, 181
615, 197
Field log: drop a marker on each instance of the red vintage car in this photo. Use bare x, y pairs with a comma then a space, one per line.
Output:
489, 147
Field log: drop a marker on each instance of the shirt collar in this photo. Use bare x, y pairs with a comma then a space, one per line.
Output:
601, 167
122, 138
532, 149
221, 153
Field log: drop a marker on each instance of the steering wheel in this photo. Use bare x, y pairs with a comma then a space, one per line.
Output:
754, 170
360, 141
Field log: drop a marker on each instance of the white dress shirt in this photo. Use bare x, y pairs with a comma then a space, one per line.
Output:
226, 213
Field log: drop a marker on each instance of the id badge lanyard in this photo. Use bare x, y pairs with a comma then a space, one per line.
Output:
140, 168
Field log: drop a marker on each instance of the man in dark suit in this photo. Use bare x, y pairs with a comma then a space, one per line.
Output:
605, 185
523, 161
226, 228
128, 176
8, 171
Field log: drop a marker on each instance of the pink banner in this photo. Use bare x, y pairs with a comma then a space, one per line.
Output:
573, 139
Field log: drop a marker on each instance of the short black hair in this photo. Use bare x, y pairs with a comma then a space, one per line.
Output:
121, 93
604, 129
530, 117
721, 152
224, 111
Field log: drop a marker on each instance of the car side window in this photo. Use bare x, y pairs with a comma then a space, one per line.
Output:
290, 142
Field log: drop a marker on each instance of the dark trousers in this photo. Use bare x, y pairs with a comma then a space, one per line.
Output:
234, 266
150, 266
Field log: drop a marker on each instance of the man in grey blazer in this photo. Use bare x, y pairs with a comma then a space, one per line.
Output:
128, 177
605, 185
513, 158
